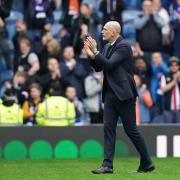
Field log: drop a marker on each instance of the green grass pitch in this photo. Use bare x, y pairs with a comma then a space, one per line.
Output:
79, 169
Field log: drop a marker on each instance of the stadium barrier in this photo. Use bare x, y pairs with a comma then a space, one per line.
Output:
83, 142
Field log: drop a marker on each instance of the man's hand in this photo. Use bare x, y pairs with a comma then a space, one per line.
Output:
88, 51
91, 44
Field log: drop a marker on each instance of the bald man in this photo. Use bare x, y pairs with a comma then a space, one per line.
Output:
119, 94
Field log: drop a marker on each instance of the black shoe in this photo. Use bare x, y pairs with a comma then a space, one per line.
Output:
144, 169
103, 170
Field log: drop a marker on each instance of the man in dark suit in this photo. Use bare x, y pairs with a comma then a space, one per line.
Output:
119, 94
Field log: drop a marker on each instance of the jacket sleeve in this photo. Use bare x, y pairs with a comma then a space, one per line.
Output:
40, 114
120, 54
92, 87
71, 114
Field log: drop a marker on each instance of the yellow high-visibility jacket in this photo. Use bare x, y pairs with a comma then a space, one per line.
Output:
55, 111
11, 115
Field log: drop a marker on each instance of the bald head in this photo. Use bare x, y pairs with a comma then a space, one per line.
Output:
114, 26
111, 31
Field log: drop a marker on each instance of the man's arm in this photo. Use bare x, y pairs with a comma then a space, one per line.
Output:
120, 54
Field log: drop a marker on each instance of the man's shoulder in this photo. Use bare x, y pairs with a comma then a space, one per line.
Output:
123, 42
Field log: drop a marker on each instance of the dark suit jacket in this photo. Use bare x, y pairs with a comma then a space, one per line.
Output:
117, 65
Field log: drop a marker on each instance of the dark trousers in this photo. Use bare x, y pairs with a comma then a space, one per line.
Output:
113, 108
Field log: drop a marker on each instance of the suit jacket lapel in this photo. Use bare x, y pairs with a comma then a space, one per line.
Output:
109, 49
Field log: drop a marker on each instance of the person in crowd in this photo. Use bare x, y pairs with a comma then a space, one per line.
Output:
21, 33
158, 69
143, 102
5, 8
10, 111
136, 49
162, 12
52, 75
71, 94
39, 17
85, 61
18, 85
86, 23
41, 50
148, 28
112, 10
73, 71
70, 10
65, 38
170, 86
93, 87
143, 70
53, 49
56, 110
30, 105
175, 19
28, 60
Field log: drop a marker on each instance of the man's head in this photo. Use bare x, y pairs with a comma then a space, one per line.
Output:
35, 90
25, 45
53, 64
147, 7
111, 31
70, 92
68, 53
174, 64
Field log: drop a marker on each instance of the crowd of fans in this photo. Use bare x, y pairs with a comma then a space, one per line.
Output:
45, 77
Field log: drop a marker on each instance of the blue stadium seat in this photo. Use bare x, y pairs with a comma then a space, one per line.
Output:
130, 15
10, 23
133, 4
57, 15
55, 28
129, 31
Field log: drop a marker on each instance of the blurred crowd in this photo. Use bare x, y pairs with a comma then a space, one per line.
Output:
45, 77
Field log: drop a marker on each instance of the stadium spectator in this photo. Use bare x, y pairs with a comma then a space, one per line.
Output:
28, 60
170, 86
71, 95
30, 105
5, 7
52, 75
39, 17
19, 85
176, 25
41, 50
53, 49
166, 39
112, 10
142, 69
158, 69
10, 111
148, 28
55, 110
136, 49
65, 38
70, 9
73, 71
21, 33
93, 87
143, 102
86, 23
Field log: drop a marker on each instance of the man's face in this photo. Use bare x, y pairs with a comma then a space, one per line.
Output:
53, 65
68, 53
174, 67
106, 33
24, 48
